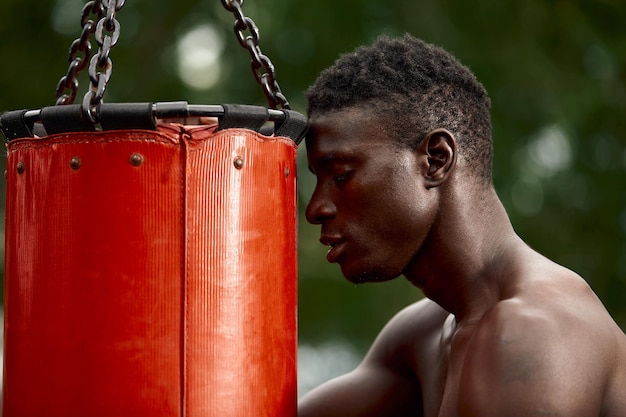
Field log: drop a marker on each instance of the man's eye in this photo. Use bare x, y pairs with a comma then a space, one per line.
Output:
342, 177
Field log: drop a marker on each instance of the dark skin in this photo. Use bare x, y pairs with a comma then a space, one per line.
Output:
503, 331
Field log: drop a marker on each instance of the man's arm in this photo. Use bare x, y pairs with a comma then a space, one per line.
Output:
384, 384
369, 390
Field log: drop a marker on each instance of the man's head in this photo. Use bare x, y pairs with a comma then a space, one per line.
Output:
412, 88
400, 137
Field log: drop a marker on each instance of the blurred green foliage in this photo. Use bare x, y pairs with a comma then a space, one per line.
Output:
555, 70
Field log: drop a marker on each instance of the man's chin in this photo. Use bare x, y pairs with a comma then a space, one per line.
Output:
365, 276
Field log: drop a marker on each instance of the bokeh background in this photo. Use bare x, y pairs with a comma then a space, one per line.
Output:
555, 70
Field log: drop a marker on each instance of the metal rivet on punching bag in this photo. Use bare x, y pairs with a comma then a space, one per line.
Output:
20, 167
75, 163
238, 163
136, 159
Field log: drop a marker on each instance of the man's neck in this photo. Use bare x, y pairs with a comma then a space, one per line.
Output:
466, 261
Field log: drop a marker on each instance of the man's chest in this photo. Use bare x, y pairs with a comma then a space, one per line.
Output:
440, 372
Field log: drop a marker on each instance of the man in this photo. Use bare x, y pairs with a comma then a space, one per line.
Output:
400, 144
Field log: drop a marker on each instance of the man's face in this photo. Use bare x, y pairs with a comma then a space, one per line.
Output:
369, 199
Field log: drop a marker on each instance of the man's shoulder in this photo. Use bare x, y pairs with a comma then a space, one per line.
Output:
532, 347
408, 335
552, 314
421, 318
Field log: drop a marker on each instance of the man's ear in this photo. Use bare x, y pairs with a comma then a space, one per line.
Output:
440, 150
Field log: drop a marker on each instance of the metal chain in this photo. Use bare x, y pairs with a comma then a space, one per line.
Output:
107, 34
67, 87
262, 66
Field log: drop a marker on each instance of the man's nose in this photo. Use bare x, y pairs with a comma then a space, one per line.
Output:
320, 207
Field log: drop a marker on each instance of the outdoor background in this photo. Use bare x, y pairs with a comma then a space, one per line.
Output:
555, 70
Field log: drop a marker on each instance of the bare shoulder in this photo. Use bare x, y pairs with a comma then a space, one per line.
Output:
406, 335
551, 349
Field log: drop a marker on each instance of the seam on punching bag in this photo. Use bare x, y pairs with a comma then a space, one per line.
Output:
184, 137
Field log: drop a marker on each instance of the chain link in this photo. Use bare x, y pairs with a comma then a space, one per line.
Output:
79, 54
106, 34
248, 36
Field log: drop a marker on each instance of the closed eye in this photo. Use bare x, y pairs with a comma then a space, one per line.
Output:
342, 177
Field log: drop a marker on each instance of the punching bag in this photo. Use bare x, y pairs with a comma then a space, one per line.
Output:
151, 272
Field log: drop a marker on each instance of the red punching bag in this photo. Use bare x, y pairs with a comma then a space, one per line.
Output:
150, 273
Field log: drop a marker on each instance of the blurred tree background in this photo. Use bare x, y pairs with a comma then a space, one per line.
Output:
555, 70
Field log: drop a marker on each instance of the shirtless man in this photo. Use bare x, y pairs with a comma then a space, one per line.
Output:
400, 144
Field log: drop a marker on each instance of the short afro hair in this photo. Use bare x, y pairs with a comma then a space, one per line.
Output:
414, 87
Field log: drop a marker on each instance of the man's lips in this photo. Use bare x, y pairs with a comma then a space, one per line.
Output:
335, 245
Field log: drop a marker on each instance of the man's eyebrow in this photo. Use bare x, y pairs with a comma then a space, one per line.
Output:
334, 156
328, 159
